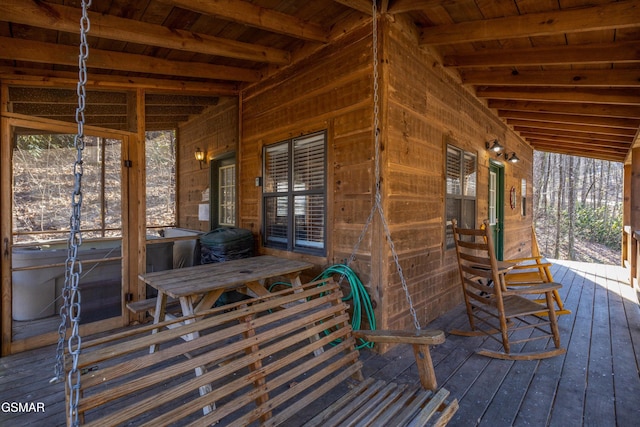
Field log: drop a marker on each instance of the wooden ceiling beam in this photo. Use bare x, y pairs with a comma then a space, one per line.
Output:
591, 147
583, 128
580, 78
611, 141
51, 53
616, 15
577, 150
606, 123
594, 143
249, 14
401, 6
590, 109
570, 95
64, 18
66, 79
364, 6
604, 53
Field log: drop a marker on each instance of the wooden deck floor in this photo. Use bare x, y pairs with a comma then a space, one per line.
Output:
596, 383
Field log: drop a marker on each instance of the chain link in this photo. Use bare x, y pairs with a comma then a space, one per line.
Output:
71, 309
378, 196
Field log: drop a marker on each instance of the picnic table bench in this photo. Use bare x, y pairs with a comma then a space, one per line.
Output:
289, 356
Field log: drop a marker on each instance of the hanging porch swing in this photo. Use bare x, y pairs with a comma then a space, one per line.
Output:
70, 312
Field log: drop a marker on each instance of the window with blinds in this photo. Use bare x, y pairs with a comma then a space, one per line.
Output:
461, 187
294, 194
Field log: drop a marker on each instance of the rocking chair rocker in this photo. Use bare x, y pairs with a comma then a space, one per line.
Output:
494, 309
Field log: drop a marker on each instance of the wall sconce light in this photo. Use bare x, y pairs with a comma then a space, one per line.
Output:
494, 146
511, 157
201, 156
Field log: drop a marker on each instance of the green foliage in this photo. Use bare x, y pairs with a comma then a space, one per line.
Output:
599, 225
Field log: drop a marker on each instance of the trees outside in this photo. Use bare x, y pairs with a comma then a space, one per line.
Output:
43, 183
578, 207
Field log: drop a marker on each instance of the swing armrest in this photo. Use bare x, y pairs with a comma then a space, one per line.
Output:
420, 340
419, 337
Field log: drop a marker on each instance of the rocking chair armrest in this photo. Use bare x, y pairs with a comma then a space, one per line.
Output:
532, 288
528, 267
539, 262
420, 337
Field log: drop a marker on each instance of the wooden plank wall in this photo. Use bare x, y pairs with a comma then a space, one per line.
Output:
427, 106
422, 106
331, 91
216, 132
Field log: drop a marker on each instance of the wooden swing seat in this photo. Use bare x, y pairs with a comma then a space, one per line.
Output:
493, 308
261, 361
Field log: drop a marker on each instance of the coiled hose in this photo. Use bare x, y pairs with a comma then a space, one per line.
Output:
358, 296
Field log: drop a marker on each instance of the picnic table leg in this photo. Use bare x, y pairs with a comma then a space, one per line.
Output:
297, 283
158, 316
187, 310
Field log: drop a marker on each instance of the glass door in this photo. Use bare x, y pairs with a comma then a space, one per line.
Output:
42, 169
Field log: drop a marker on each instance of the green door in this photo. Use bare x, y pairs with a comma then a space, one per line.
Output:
496, 205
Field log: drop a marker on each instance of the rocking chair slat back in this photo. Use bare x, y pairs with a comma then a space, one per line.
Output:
495, 309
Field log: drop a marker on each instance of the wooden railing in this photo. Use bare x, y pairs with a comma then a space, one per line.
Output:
630, 249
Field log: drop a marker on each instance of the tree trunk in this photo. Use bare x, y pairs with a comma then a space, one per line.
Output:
556, 251
571, 183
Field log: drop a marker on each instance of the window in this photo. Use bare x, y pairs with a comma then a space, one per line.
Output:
227, 195
461, 177
160, 153
43, 175
223, 191
294, 194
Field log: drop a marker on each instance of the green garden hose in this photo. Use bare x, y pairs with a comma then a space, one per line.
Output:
358, 296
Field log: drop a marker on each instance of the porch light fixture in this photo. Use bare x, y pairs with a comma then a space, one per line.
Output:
494, 146
511, 157
201, 157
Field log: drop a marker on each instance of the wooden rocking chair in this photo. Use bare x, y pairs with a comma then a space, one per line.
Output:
493, 309
534, 269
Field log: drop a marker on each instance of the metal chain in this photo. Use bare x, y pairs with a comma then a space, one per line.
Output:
71, 293
378, 197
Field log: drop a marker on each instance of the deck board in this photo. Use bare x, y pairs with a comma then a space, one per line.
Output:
599, 403
595, 383
569, 406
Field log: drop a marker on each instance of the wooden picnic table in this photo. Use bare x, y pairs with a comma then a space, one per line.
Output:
199, 287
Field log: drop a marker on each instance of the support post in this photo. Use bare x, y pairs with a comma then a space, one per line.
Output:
634, 212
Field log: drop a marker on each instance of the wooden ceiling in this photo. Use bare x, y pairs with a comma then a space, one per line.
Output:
565, 74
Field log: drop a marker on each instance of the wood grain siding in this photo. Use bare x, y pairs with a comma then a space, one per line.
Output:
333, 91
425, 107
421, 107
216, 132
